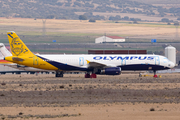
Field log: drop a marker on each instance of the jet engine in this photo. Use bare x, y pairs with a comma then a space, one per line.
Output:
111, 71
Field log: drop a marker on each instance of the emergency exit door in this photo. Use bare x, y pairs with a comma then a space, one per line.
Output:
157, 60
35, 60
81, 61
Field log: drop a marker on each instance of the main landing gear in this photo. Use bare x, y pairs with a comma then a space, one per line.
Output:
93, 75
59, 73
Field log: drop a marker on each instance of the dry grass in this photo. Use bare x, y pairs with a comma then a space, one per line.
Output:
76, 27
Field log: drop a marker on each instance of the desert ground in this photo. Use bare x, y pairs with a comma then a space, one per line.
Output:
73, 97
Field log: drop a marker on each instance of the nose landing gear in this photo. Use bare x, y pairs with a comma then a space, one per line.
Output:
155, 76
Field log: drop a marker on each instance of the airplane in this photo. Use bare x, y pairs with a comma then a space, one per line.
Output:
94, 64
4, 53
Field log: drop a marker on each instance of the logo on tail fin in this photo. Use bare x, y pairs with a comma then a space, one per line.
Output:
17, 46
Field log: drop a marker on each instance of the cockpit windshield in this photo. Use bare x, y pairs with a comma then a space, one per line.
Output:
165, 60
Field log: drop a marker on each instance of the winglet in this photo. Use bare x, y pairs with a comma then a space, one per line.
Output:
88, 61
18, 48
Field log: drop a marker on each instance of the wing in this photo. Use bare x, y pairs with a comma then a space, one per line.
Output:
98, 65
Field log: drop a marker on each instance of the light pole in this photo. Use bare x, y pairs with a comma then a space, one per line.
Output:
44, 27
176, 24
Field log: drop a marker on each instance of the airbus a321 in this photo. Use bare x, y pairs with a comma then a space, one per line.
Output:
90, 64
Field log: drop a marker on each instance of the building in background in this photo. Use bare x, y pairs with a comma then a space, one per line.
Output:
109, 39
117, 51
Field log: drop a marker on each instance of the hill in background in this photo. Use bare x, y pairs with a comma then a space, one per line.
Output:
68, 9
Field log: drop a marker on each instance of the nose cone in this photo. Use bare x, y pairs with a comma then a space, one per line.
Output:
171, 65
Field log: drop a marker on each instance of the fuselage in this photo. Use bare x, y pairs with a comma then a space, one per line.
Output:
80, 62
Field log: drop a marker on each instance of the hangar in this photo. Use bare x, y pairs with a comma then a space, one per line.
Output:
109, 39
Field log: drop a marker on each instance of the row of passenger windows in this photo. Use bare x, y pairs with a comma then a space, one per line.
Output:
76, 60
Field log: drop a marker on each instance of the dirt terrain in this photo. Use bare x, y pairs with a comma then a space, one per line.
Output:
124, 97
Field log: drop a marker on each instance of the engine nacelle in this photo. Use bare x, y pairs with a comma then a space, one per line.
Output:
111, 71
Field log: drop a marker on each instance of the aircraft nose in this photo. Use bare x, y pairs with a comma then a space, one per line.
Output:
171, 64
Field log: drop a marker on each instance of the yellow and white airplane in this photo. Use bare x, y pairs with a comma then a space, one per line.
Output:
95, 64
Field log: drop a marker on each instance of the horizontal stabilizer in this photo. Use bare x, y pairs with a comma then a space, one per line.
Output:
4, 62
17, 59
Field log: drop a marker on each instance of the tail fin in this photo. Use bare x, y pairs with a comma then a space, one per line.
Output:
1, 56
18, 48
3, 51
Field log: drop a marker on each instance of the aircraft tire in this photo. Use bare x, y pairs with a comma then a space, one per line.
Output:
93, 75
87, 75
59, 74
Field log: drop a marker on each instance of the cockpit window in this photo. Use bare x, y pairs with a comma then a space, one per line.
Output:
165, 60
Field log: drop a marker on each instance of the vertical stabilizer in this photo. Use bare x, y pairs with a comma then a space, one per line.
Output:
18, 48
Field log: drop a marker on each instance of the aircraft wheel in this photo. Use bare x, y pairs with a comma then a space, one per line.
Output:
59, 74
155, 76
87, 75
93, 75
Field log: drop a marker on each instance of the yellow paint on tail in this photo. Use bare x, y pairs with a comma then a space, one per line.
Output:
23, 56
18, 48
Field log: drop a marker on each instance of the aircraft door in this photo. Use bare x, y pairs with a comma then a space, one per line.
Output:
157, 60
123, 62
81, 61
35, 60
